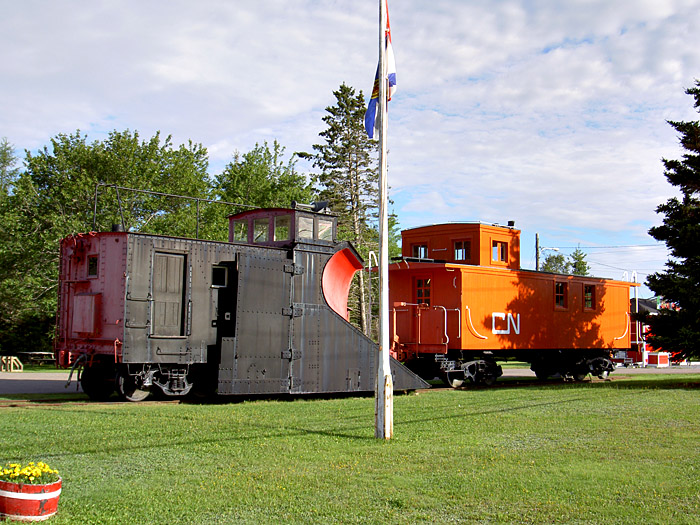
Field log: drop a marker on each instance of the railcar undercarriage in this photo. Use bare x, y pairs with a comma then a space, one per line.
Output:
457, 369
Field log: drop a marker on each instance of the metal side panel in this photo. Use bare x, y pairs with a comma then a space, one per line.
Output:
263, 315
137, 308
170, 304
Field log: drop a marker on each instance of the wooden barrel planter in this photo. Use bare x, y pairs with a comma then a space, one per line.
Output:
27, 502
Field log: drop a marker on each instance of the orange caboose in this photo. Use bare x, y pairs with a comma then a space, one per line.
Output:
460, 303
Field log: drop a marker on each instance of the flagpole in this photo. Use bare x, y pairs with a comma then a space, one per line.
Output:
384, 392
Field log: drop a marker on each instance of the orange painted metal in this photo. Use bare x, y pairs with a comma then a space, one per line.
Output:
441, 242
497, 308
337, 277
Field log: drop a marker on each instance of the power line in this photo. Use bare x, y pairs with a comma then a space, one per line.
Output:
612, 247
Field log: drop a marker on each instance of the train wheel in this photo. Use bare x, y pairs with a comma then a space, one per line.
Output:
580, 376
97, 381
454, 378
129, 390
489, 380
541, 374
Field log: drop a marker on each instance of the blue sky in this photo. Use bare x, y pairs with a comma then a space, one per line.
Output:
552, 114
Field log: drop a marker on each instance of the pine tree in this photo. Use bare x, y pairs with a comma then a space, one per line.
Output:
577, 263
677, 329
349, 178
8, 171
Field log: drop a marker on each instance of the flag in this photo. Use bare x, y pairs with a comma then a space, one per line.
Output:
371, 120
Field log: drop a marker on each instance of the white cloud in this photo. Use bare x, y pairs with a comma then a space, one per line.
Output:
545, 112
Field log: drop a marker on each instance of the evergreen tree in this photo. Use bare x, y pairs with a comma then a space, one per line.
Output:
678, 329
577, 263
8, 171
349, 181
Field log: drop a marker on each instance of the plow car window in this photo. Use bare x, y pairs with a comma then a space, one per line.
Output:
325, 230
260, 230
306, 228
240, 231
219, 276
282, 223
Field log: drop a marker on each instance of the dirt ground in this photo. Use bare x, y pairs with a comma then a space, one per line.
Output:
55, 382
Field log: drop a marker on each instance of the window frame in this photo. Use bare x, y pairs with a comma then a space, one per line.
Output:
93, 258
467, 252
592, 298
417, 249
258, 232
280, 223
421, 283
563, 294
499, 251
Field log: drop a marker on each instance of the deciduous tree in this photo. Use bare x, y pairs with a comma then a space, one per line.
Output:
262, 178
53, 197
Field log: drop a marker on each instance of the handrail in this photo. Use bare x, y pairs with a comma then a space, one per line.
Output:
424, 306
471, 325
627, 327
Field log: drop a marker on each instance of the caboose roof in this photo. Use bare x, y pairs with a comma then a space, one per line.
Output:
456, 225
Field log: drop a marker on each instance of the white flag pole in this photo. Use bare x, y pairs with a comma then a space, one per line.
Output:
384, 392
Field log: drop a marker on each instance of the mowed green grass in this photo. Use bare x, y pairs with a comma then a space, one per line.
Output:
621, 451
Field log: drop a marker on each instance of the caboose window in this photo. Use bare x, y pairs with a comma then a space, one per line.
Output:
463, 250
499, 251
325, 230
240, 231
420, 251
423, 291
261, 230
306, 228
589, 296
282, 223
560, 295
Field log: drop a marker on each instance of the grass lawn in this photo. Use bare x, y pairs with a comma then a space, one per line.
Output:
621, 451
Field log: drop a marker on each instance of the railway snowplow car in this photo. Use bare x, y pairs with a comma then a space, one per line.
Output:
265, 313
460, 303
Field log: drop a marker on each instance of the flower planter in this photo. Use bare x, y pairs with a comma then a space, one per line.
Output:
27, 502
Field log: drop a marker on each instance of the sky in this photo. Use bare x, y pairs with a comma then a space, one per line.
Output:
549, 113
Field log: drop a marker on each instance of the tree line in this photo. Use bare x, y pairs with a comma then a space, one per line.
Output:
52, 195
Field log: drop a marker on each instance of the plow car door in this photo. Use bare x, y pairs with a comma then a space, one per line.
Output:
252, 362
